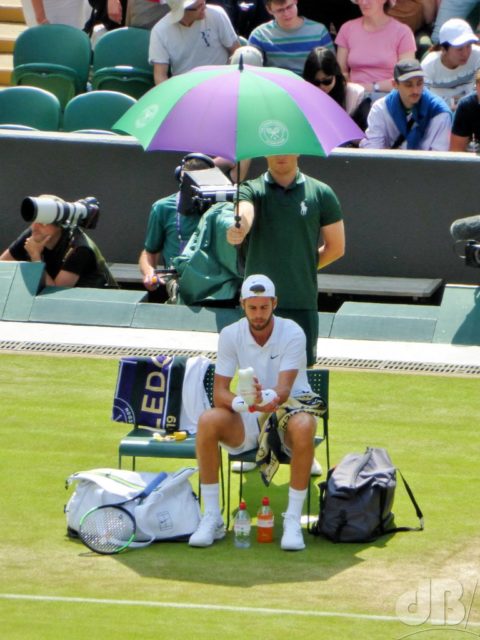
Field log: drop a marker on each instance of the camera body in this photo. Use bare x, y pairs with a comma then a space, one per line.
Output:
48, 210
472, 254
203, 188
466, 233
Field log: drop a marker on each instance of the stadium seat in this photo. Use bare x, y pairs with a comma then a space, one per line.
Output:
95, 111
29, 108
55, 57
120, 62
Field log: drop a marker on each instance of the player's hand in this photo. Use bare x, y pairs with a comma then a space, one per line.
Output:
267, 403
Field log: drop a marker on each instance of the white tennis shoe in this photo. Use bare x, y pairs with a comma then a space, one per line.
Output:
211, 528
292, 539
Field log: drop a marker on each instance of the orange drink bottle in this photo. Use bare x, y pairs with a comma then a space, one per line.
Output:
265, 522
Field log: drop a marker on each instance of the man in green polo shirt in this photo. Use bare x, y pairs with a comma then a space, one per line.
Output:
168, 231
294, 227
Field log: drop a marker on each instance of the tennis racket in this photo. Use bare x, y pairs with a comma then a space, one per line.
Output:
111, 528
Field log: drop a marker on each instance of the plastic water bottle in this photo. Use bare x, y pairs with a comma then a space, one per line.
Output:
265, 522
246, 385
242, 526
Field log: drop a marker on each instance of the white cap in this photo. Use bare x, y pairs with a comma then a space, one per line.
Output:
250, 55
257, 286
456, 32
177, 9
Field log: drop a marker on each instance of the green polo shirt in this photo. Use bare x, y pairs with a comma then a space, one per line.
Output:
168, 231
283, 242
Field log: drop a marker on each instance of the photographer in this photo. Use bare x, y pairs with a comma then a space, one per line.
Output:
71, 258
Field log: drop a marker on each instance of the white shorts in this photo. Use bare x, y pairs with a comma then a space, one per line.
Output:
252, 430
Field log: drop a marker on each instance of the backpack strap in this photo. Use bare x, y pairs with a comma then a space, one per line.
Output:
418, 511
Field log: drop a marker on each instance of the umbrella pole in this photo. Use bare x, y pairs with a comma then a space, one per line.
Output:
237, 198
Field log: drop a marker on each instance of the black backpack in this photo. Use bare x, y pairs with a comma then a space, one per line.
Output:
357, 497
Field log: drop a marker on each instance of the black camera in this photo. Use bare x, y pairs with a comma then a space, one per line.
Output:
472, 254
48, 210
466, 232
203, 188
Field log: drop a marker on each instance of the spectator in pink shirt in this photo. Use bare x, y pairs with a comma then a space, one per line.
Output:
369, 47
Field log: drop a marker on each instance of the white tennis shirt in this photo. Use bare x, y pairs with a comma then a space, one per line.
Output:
285, 350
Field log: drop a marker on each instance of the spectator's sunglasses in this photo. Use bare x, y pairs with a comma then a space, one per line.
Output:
324, 82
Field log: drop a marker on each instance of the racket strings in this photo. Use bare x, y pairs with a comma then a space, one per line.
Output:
108, 529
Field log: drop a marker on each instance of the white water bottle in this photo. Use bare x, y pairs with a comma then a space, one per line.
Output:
242, 526
246, 385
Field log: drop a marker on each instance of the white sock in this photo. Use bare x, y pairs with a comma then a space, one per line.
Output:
296, 499
210, 494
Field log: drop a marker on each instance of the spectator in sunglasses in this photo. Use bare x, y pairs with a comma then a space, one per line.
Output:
322, 70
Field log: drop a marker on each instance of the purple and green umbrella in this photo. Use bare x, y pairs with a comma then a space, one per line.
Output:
239, 112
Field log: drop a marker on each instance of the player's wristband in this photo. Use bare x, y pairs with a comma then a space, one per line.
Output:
268, 395
239, 405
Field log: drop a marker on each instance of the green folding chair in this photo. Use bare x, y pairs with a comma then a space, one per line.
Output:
319, 382
29, 108
120, 62
141, 443
95, 111
55, 57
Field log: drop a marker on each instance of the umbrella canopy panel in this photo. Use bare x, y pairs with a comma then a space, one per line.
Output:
239, 113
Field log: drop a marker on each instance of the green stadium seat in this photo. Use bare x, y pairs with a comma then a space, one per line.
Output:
95, 111
29, 108
120, 62
55, 57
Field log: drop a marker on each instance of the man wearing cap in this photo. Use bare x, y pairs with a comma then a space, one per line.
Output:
410, 116
450, 72
191, 35
275, 348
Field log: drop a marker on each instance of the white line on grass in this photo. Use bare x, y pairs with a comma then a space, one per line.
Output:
211, 607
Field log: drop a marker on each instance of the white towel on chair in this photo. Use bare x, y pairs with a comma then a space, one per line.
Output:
194, 397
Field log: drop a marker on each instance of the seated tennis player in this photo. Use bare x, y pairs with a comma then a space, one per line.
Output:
275, 348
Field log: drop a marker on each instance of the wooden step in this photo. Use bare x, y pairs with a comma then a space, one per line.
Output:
6, 66
11, 11
9, 32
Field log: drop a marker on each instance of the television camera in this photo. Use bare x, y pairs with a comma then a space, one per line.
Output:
203, 188
466, 231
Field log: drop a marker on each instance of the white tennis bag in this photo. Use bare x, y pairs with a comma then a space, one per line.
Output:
170, 512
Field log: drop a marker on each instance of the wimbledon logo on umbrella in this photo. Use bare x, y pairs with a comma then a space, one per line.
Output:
273, 133
146, 116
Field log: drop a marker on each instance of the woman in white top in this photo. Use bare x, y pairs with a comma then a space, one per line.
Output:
322, 70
